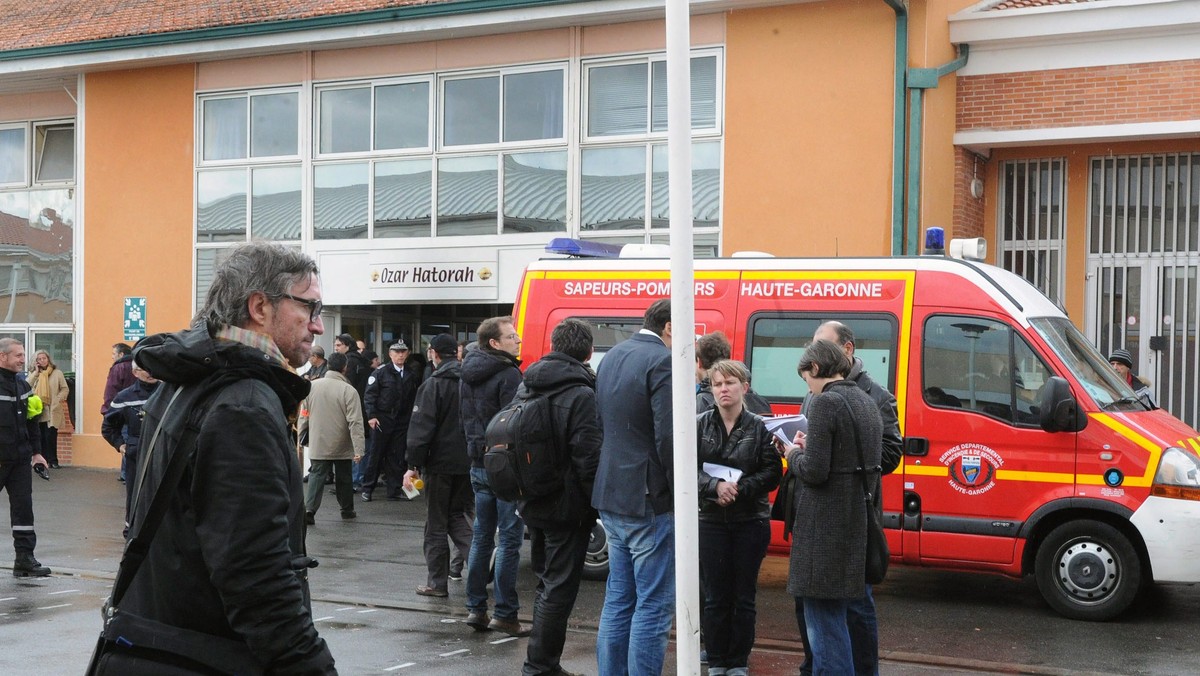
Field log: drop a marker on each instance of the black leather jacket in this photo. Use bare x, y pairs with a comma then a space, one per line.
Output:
747, 448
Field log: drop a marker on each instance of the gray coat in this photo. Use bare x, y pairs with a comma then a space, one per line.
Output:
828, 558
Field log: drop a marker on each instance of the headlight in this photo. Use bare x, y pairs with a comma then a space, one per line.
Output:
1178, 475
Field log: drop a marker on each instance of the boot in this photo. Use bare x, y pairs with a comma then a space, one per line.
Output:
27, 566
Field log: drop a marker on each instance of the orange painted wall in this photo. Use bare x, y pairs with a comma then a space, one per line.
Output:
808, 129
138, 154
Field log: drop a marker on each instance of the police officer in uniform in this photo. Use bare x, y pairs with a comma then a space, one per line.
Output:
20, 448
391, 392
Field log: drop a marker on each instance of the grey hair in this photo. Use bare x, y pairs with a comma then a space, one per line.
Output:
258, 267
6, 344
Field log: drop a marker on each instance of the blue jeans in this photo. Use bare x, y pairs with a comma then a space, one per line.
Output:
492, 513
639, 601
829, 636
864, 635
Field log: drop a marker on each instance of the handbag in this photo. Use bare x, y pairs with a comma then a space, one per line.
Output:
131, 645
878, 554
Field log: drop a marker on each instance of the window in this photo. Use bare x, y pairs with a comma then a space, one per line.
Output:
54, 157
1033, 222
246, 126
777, 342
390, 116
626, 99
535, 192
981, 365
13, 158
607, 333
272, 211
340, 200
404, 198
513, 106
467, 196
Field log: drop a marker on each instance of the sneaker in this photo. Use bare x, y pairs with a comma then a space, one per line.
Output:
310, 518
455, 577
478, 620
349, 515
366, 496
511, 627
425, 590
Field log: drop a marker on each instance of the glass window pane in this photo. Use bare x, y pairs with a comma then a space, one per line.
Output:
221, 206
535, 192
467, 196
614, 189
704, 94
706, 186
472, 111
967, 365
345, 120
225, 130
275, 203
36, 270
402, 116
617, 100
404, 198
533, 106
12, 155
59, 345
340, 200
56, 162
274, 125
206, 266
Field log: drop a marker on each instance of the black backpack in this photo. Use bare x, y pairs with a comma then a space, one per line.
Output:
521, 458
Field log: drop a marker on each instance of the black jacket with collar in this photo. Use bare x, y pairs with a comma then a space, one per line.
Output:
489, 381
20, 437
390, 396
571, 386
749, 448
228, 558
436, 443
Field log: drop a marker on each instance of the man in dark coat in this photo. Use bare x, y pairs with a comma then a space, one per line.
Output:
560, 523
490, 376
437, 452
634, 492
358, 371
391, 391
120, 376
228, 558
20, 450
122, 426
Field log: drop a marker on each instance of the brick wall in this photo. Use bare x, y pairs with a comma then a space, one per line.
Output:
968, 210
1070, 97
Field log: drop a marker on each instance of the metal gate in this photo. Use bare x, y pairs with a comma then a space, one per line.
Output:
1143, 257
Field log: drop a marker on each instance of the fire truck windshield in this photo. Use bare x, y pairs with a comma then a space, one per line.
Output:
1089, 367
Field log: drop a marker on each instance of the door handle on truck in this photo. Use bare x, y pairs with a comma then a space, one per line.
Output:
916, 446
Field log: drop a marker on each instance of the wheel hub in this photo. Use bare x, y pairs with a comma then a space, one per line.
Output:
1088, 571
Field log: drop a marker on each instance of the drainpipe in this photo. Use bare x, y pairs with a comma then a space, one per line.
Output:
920, 79
900, 66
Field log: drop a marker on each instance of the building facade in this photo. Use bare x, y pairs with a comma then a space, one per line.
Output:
423, 153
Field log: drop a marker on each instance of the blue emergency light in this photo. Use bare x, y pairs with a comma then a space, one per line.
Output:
582, 248
935, 242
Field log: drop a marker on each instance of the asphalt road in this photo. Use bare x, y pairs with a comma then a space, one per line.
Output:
364, 605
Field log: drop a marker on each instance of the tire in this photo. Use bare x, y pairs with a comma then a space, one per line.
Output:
595, 566
1088, 570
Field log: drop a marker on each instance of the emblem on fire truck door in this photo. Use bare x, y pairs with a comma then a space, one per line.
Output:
972, 468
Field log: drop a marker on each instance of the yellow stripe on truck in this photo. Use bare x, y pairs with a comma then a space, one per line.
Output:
1154, 450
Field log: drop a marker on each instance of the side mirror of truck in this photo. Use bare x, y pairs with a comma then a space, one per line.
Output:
1059, 411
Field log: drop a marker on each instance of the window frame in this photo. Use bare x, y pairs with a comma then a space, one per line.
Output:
26, 154
373, 85
38, 141
247, 158
562, 67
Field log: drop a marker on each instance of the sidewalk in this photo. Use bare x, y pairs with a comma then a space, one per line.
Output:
375, 560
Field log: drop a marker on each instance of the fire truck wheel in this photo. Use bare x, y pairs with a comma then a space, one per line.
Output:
1088, 570
595, 565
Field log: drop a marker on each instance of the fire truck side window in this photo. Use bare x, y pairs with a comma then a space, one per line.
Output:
778, 340
606, 333
980, 365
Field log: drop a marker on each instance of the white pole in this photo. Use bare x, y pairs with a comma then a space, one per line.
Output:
683, 331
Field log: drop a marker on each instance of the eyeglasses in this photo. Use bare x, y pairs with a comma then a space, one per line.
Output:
314, 306
512, 336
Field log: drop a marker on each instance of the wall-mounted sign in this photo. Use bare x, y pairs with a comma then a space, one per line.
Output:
450, 279
135, 318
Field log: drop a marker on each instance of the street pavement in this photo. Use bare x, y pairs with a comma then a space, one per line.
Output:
364, 603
